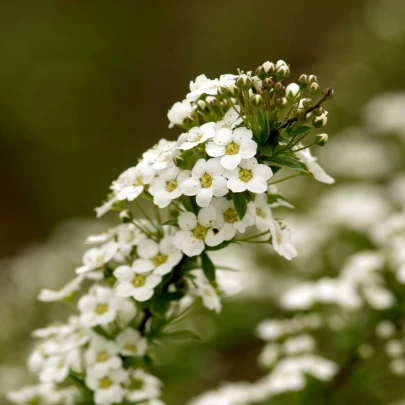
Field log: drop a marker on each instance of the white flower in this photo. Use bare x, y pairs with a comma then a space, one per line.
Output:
106, 385
231, 220
205, 182
160, 257
201, 287
231, 118
56, 368
131, 183
232, 146
313, 167
102, 354
131, 343
161, 155
196, 232
281, 241
101, 307
135, 282
203, 85
260, 210
97, 257
166, 187
103, 209
195, 136
179, 112
127, 236
49, 295
142, 386
250, 175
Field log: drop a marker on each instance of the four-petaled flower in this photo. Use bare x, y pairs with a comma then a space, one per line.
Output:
198, 231
205, 182
250, 175
232, 146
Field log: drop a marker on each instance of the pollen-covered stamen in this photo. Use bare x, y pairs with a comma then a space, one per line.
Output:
261, 212
171, 185
245, 175
61, 364
139, 281
230, 216
104, 383
206, 181
102, 357
159, 260
200, 232
101, 309
232, 149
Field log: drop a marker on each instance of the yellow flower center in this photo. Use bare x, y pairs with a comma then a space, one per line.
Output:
159, 260
104, 383
206, 181
279, 238
139, 281
230, 216
260, 212
135, 384
195, 137
131, 347
102, 357
61, 364
232, 149
171, 185
245, 175
101, 309
138, 182
200, 232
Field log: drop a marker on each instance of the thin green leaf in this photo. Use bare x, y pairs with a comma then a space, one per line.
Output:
287, 162
240, 204
208, 267
303, 129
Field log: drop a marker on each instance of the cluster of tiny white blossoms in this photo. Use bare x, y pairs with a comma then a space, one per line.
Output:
182, 200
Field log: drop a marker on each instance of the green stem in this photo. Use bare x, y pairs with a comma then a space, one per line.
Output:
285, 178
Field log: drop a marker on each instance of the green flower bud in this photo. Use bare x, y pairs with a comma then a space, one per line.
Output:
303, 81
268, 83
307, 103
281, 102
279, 88
314, 88
256, 100
179, 161
268, 68
299, 113
320, 121
126, 216
244, 82
260, 73
224, 91
211, 100
234, 90
321, 139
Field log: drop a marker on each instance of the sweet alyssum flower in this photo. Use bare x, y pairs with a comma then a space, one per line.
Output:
232, 146
197, 194
205, 182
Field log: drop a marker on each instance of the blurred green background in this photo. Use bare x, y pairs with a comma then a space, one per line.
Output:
84, 90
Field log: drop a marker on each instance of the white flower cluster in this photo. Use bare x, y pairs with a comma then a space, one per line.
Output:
197, 194
289, 354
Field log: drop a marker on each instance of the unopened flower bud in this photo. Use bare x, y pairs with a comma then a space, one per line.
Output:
299, 113
314, 88
292, 90
268, 83
260, 73
305, 103
279, 88
281, 102
234, 90
282, 70
321, 121
268, 68
201, 104
179, 161
223, 91
188, 121
256, 100
126, 216
321, 139
211, 100
303, 81
312, 79
244, 82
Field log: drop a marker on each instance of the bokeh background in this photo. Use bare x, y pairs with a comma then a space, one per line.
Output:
84, 90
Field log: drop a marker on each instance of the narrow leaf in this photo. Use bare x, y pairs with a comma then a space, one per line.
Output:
288, 162
303, 129
208, 267
240, 204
